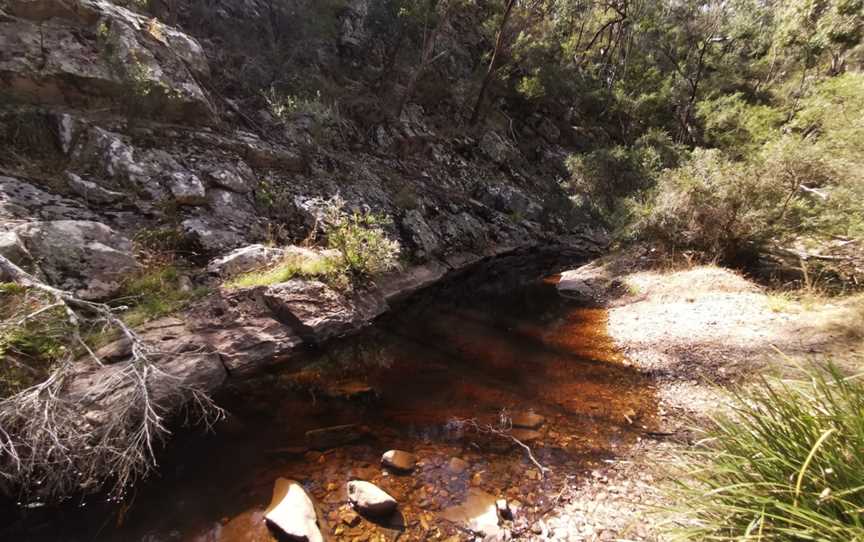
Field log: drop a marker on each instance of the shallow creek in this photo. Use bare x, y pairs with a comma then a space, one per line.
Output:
492, 346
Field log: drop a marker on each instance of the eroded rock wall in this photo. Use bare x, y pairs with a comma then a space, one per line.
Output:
117, 126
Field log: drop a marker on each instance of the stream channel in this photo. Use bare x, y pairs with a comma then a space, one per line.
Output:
428, 378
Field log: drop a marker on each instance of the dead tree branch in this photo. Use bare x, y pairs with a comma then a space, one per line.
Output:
55, 443
503, 430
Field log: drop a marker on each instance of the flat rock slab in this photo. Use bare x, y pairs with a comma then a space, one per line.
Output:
369, 499
244, 259
399, 460
318, 312
292, 512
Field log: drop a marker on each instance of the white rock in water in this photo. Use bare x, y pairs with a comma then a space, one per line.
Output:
291, 511
399, 460
370, 499
479, 513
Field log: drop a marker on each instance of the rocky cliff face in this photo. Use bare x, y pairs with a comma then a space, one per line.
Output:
116, 126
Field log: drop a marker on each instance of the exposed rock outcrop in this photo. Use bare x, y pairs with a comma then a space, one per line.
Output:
91, 53
244, 259
319, 312
88, 258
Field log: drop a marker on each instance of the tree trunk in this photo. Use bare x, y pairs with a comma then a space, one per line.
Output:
425, 60
490, 71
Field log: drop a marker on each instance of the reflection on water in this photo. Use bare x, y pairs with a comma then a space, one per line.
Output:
463, 353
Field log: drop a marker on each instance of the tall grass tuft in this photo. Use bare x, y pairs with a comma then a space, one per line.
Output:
786, 464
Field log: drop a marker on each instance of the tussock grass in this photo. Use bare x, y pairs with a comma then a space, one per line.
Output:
786, 464
155, 293
290, 267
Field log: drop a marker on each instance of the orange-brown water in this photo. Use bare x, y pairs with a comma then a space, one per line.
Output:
454, 356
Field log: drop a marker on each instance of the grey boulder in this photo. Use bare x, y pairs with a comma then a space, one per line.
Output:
244, 259
88, 258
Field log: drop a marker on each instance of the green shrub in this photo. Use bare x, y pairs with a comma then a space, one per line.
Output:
786, 464
284, 106
608, 175
710, 205
730, 122
363, 246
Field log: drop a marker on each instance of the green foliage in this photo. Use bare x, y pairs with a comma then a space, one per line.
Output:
158, 291
29, 347
733, 124
712, 205
290, 267
285, 106
607, 174
359, 237
786, 464
361, 245
806, 179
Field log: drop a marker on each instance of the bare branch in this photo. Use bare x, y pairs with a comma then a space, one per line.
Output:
52, 447
505, 426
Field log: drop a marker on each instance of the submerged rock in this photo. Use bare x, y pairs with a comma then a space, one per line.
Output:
479, 513
292, 512
333, 437
457, 465
367, 498
349, 517
399, 460
526, 435
527, 420
349, 390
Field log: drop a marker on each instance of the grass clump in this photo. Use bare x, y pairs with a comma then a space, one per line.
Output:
290, 267
157, 292
786, 464
33, 337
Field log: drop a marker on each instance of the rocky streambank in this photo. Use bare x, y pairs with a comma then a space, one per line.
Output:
236, 333
116, 148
